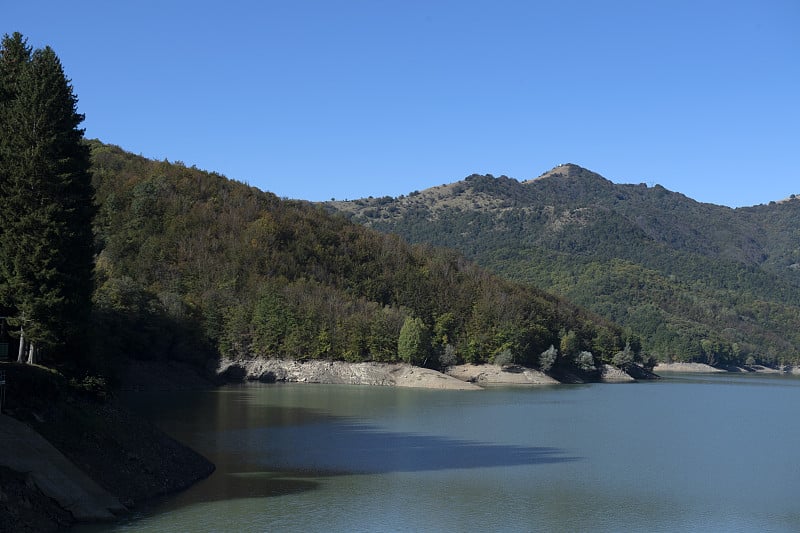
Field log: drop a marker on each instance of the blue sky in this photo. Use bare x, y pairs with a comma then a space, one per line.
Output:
347, 99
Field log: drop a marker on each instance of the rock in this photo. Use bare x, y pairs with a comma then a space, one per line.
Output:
764, 369
612, 374
234, 374
268, 377
686, 368
497, 375
337, 372
639, 372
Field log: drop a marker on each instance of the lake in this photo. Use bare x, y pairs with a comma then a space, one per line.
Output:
687, 453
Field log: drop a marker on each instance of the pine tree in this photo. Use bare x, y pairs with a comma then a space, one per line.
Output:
14, 56
46, 244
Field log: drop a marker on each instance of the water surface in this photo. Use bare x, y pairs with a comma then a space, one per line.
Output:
697, 453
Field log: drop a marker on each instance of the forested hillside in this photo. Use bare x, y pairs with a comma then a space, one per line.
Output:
192, 265
699, 282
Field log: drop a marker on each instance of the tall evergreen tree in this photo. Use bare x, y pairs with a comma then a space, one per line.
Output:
46, 244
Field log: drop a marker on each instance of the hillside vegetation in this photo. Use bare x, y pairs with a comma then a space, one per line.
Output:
192, 266
699, 282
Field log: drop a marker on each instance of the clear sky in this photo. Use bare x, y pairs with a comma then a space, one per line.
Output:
346, 99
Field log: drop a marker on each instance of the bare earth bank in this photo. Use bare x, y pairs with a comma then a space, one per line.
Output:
496, 375
71, 456
701, 368
487, 375
338, 372
686, 368
458, 377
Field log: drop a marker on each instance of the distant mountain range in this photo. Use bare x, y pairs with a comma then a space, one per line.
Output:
698, 282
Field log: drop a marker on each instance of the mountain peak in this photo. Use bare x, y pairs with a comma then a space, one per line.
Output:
565, 170
566, 167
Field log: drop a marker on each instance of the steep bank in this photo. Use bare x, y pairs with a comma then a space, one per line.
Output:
338, 372
123, 454
612, 374
53, 474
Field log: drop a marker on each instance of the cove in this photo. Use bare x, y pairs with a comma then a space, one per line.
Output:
686, 453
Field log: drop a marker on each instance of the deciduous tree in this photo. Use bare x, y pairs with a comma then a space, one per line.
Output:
414, 345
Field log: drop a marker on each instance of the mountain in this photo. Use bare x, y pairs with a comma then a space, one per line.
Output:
699, 282
193, 266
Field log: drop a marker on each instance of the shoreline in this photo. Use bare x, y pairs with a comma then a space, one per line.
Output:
489, 375
703, 368
337, 372
457, 377
80, 459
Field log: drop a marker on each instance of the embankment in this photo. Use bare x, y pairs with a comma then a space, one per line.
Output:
686, 368
68, 455
488, 375
338, 372
702, 368
458, 377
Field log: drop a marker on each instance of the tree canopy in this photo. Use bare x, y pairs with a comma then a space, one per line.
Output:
46, 241
193, 266
696, 282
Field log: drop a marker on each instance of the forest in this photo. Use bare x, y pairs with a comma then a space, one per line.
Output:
698, 282
192, 266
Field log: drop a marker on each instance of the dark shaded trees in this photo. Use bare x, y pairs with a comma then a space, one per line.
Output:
46, 243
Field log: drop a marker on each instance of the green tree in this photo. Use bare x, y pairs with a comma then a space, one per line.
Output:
570, 344
585, 361
548, 358
46, 244
624, 358
413, 344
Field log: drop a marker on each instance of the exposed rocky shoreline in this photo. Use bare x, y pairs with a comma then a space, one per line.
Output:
487, 375
687, 368
338, 372
702, 368
458, 377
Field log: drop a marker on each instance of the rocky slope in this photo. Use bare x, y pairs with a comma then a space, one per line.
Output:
126, 456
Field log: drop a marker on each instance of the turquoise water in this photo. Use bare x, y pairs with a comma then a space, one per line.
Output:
703, 453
